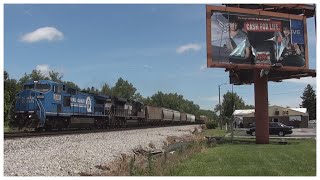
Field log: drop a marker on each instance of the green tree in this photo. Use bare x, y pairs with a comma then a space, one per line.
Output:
229, 100
173, 101
248, 106
309, 101
106, 90
72, 85
123, 89
211, 115
10, 89
55, 76
35, 75
138, 97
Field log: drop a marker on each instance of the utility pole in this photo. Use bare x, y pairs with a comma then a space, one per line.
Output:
232, 117
220, 106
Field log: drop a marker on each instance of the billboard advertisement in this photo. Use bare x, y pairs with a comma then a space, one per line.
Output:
255, 39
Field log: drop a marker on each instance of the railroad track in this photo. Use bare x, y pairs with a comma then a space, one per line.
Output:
75, 131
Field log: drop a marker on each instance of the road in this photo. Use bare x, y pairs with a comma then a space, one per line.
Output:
297, 133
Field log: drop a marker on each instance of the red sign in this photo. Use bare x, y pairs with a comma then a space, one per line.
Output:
262, 26
263, 56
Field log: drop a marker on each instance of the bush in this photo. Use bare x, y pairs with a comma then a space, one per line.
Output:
211, 125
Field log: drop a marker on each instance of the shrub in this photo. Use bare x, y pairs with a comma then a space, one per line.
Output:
211, 124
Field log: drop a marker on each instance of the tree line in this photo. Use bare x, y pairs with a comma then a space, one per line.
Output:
122, 88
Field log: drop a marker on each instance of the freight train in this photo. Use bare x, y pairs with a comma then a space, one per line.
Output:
51, 105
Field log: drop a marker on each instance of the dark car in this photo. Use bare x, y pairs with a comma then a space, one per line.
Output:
274, 128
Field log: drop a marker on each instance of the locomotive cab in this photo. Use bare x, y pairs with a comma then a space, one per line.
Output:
29, 109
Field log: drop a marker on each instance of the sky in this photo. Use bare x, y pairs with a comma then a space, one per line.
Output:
155, 47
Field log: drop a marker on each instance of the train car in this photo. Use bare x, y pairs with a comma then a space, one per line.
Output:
167, 116
183, 117
191, 118
153, 115
203, 119
176, 117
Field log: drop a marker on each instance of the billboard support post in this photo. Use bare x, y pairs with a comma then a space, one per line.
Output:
261, 108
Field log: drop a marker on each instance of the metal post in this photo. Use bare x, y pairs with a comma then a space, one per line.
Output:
261, 108
220, 109
232, 118
220, 106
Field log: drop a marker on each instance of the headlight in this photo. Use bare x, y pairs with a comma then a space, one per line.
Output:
30, 116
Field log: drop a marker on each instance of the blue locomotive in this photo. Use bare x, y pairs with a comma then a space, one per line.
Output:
51, 105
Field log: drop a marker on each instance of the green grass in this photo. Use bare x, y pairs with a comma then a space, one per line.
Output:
298, 158
214, 132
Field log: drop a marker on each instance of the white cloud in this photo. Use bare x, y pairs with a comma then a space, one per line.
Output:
42, 34
188, 47
147, 67
44, 69
306, 80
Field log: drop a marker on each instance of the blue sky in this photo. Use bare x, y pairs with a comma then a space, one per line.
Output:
155, 47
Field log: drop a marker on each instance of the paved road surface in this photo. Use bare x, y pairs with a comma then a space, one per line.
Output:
296, 133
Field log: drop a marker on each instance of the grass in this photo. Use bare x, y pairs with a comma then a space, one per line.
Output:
214, 132
242, 157
298, 158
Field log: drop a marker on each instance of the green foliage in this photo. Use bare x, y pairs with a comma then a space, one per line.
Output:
248, 107
214, 132
55, 76
209, 114
11, 87
72, 85
231, 101
173, 101
138, 97
123, 89
309, 101
211, 124
106, 90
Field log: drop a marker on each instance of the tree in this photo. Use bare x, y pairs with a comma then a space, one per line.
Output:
11, 88
72, 85
106, 90
123, 89
138, 97
309, 101
230, 99
35, 75
55, 76
212, 116
173, 101
247, 106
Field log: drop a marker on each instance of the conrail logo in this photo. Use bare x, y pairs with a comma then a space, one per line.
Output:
88, 103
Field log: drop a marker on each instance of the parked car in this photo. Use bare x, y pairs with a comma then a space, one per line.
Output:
274, 128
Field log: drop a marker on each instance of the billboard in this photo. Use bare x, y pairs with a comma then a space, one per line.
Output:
252, 38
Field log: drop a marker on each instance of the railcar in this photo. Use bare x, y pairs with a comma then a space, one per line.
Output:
50, 105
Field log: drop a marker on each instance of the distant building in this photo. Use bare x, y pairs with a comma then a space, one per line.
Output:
296, 117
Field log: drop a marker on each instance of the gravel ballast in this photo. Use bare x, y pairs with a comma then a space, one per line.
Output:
69, 155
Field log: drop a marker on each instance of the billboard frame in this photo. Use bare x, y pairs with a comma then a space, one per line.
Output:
210, 64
